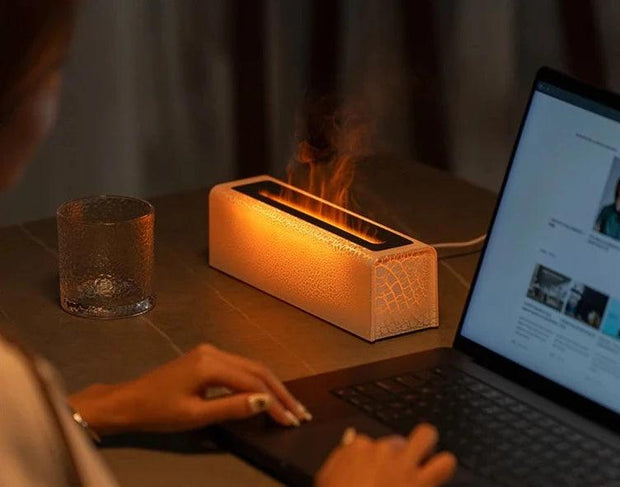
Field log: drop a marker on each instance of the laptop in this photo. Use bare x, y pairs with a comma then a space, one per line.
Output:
529, 394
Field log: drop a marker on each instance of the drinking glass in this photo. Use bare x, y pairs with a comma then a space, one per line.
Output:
106, 255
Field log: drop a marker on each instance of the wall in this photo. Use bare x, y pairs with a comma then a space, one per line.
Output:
148, 99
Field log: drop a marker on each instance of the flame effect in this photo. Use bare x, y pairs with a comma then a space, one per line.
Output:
318, 209
324, 165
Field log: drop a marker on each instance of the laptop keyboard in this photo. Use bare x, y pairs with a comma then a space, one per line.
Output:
490, 432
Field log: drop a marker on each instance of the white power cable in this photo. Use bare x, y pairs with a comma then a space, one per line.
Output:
455, 245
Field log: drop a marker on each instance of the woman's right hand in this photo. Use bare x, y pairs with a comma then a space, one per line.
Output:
395, 461
172, 397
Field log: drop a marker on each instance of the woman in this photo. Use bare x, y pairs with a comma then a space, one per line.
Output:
608, 220
41, 441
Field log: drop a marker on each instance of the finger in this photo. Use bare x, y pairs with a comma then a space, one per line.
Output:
421, 442
350, 436
392, 444
275, 385
360, 441
241, 380
438, 470
216, 368
342, 453
237, 406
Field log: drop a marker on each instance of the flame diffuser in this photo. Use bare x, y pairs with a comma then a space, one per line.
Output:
374, 284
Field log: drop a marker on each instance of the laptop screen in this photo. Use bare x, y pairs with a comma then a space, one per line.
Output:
547, 294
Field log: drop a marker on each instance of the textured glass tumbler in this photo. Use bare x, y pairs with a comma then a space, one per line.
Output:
106, 254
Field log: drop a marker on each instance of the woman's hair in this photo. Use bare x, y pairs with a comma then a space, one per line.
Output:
618, 189
34, 37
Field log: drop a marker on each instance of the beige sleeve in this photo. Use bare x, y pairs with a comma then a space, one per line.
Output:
32, 452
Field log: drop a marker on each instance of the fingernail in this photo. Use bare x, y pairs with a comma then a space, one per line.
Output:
303, 412
348, 436
259, 402
292, 419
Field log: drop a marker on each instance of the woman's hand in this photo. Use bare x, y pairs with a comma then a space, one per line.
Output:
173, 396
393, 461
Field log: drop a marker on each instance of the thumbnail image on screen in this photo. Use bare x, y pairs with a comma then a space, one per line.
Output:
548, 287
608, 216
611, 326
586, 305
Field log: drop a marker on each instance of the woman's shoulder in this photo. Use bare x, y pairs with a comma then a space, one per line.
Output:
39, 442
27, 434
16, 379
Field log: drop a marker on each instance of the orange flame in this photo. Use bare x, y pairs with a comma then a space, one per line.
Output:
318, 209
324, 165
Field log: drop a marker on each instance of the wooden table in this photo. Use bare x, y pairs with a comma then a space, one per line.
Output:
198, 304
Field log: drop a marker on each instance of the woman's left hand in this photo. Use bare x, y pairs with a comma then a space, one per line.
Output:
172, 397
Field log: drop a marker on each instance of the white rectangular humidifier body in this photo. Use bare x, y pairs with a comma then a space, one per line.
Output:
372, 289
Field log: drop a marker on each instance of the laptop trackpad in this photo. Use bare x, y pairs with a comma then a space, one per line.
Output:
305, 449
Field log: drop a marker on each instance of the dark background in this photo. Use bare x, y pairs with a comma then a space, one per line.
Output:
164, 96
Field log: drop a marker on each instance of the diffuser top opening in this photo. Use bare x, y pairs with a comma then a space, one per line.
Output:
308, 208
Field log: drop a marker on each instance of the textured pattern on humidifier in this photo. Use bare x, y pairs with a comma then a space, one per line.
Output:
405, 293
298, 261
